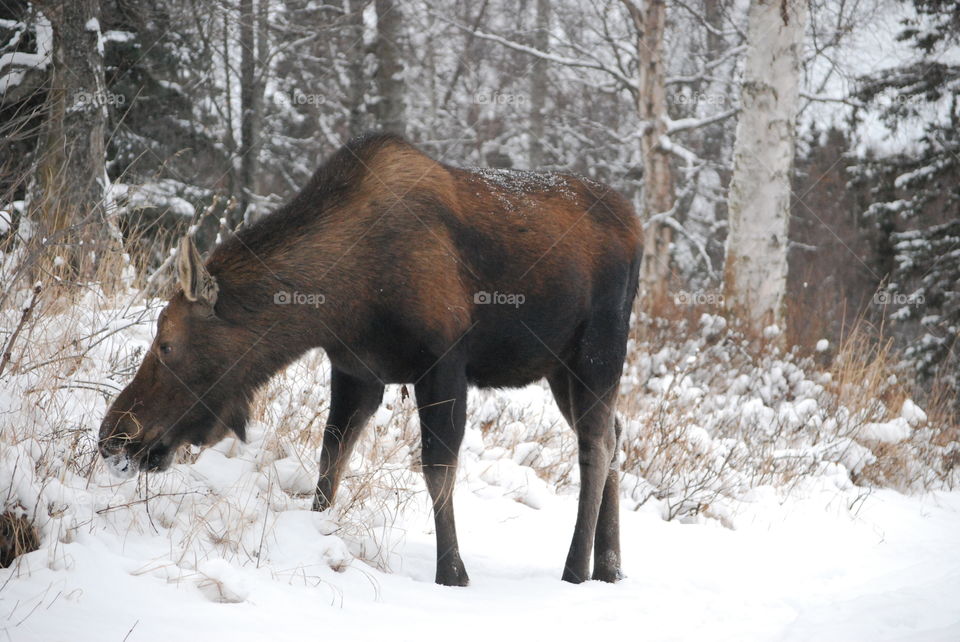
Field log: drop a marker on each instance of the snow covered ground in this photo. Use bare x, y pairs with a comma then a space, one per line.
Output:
772, 532
800, 570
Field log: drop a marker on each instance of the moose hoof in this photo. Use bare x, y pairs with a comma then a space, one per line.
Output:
452, 575
612, 575
573, 577
606, 567
320, 503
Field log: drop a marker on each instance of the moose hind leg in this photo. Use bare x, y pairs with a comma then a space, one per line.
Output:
593, 377
593, 422
606, 543
442, 401
352, 402
606, 546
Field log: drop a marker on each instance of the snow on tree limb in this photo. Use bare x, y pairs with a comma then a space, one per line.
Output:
550, 57
17, 65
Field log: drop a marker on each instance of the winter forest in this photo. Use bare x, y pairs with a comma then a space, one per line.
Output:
790, 398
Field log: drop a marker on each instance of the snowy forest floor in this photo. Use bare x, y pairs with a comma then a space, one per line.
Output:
802, 570
764, 496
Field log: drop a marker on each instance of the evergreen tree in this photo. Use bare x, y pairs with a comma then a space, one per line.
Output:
918, 191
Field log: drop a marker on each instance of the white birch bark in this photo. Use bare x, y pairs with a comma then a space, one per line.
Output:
755, 271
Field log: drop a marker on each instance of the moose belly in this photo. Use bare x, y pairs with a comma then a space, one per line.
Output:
501, 348
514, 348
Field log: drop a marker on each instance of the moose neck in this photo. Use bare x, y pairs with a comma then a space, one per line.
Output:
283, 291
297, 276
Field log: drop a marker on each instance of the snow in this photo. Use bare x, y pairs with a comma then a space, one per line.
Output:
822, 345
162, 194
118, 36
890, 432
912, 413
808, 569
519, 181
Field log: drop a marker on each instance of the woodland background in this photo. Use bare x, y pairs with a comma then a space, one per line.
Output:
210, 112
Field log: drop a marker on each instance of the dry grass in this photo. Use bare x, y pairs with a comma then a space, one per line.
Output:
871, 380
17, 535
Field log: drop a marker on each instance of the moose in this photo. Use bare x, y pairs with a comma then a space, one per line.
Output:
407, 260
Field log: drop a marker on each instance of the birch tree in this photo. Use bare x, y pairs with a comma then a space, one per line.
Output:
755, 270
649, 22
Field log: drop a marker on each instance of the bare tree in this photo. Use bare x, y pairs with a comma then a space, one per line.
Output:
649, 23
755, 272
538, 85
356, 52
391, 87
70, 180
253, 43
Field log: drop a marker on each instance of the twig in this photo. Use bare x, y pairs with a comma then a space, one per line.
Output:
24, 317
145, 499
127, 636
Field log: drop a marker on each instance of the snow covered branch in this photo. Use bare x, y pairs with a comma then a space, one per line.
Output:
20, 71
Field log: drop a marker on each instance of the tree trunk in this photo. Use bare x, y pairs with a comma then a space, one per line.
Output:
538, 85
230, 140
391, 88
356, 52
649, 24
70, 180
250, 108
755, 271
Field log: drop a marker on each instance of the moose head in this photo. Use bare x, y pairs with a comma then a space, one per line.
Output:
193, 385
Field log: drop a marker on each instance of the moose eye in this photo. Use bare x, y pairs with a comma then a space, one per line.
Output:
166, 348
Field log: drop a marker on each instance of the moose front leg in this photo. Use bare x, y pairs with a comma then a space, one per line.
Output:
352, 402
442, 402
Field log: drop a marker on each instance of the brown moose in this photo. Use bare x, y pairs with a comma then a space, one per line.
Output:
419, 273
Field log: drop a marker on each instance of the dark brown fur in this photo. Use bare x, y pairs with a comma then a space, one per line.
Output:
399, 246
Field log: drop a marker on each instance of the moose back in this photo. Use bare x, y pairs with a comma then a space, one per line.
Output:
415, 272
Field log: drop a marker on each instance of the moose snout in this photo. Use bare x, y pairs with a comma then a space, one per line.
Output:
125, 457
117, 430
125, 448
110, 446
113, 444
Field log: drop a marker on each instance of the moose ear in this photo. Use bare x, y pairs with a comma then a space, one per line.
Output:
197, 283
